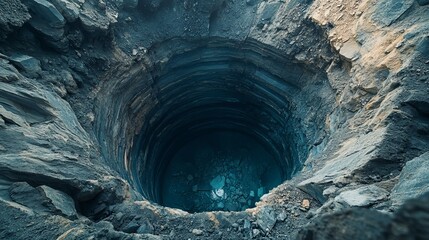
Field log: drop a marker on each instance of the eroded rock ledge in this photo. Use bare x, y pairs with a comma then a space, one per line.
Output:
91, 93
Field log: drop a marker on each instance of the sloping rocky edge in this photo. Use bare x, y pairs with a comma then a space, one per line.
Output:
67, 68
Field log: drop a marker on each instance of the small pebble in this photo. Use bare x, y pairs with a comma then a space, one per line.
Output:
256, 232
305, 204
197, 232
399, 45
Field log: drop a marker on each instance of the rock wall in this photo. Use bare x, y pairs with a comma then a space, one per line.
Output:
80, 79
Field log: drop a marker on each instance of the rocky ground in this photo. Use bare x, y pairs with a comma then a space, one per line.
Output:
233, 178
63, 65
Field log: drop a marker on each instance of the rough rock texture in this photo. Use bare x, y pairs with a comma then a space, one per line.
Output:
13, 15
343, 225
410, 222
340, 87
44, 199
362, 197
413, 181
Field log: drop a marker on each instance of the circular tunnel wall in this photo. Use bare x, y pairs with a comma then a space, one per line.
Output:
209, 125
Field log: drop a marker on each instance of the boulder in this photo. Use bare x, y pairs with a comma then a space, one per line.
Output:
92, 20
58, 202
411, 221
413, 181
362, 197
28, 64
350, 51
25, 194
266, 219
68, 81
42, 10
355, 223
43, 199
197, 232
69, 9
218, 182
48, 22
48, 33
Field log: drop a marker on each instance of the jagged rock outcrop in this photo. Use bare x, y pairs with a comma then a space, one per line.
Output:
412, 181
90, 94
410, 222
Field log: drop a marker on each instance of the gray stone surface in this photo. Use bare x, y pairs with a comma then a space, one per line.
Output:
413, 181
43, 199
28, 64
146, 228
45, 11
197, 232
355, 153
7, 74
388, 12
357, 126
268, 13
131, 227
13, 14
363, 196
23, 193
47, 21
58, 202
266, 219
359, 224
68, 9
411, 221
93, 21
26, 108
218, 182
350, 50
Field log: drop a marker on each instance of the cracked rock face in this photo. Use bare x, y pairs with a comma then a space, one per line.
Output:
141, 119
